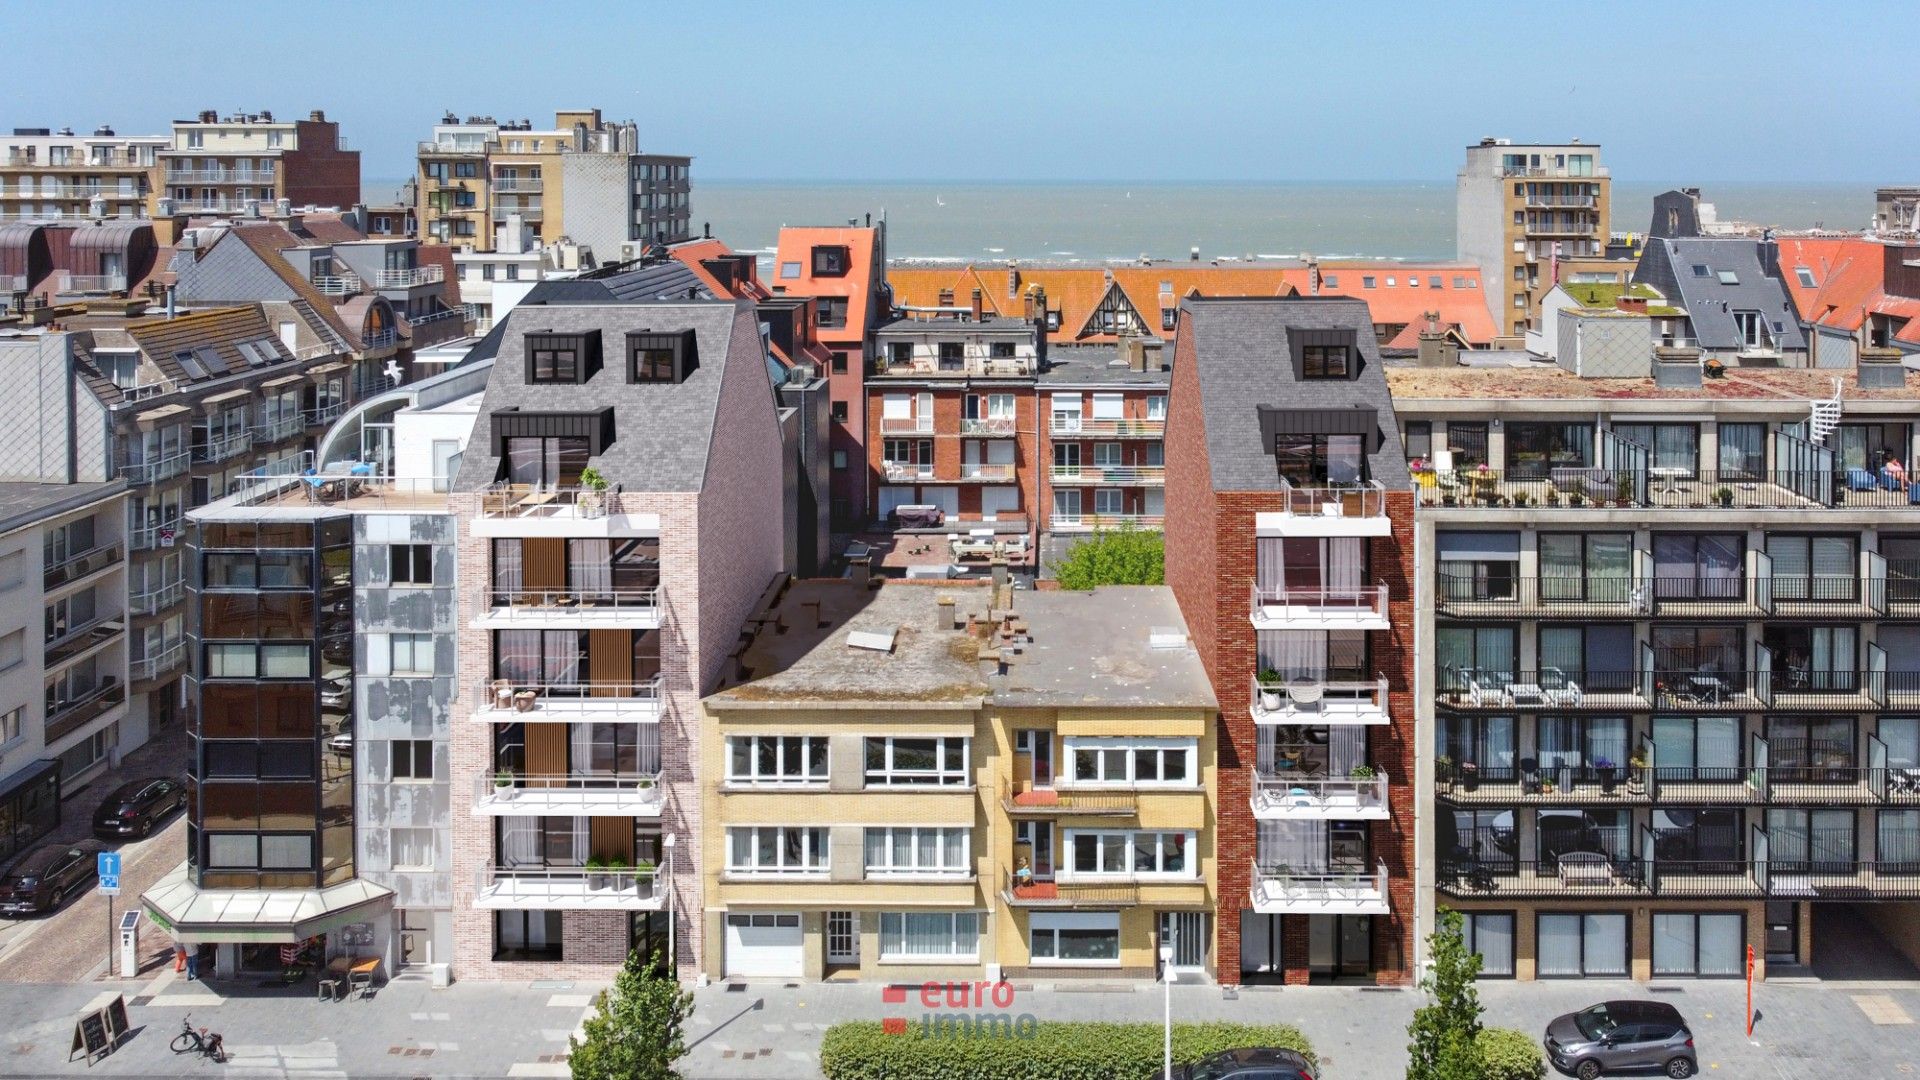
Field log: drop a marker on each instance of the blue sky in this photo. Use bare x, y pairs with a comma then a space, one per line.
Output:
1241, 91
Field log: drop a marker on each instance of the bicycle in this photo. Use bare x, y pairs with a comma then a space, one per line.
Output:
193, 1040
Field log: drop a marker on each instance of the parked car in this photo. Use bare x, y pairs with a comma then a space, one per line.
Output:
135, 807
341, 743
1629, 1036
1251, 1063
44, 877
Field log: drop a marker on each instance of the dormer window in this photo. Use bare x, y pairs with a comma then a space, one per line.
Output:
1326, 362
900, 353
832, 311
562, 358
952, 356
830, 261
661, 357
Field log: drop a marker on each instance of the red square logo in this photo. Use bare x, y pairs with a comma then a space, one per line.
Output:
893, 995
894, 1025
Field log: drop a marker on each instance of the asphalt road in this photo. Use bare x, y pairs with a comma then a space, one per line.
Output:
68, 945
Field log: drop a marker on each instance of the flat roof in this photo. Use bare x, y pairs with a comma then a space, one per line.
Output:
1790, 387
1099, 364
1085, 649
22, 504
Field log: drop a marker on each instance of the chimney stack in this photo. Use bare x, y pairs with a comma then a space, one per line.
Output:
1436, 349
979, 307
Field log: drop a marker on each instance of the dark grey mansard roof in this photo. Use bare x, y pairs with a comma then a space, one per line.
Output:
1243, 360
1710, 302
663, 432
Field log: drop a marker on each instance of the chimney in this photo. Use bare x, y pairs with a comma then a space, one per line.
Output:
318, 116
943, 614
1634, 304
1134, 352
979, 307
1436, 349
1882, 368
1026, 306
1152, 357
1013, 280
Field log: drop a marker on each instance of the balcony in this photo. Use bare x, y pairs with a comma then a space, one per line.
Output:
78, 641
1046, 801
906, 425
325, 414
1285, 608
84, 565
1320, 701
1556, 690
1299, 797
1072, 894
337, 284
570, 795
1580, 201
216, 175
1348, 510
157, 599
170, 657
223, 447
561, 609
1279, 889
1100, 475
152, 470
510, 184
70, 714
509, 509
899, 472
93, 283
443, 325
498, 701
279, 429
981, 472
501, 213
451, 148
1063, 427
991, 427
569, 888
1698, 492
151, 537
409, 277
1083, 523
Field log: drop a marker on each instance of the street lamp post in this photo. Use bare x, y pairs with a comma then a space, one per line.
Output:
1167, 977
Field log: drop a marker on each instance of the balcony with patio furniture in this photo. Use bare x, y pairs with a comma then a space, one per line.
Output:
1299, 796
585, 606
505, 701
1319, 700
1357, 509
511, 793
1282, 889
570, 888
1076, 427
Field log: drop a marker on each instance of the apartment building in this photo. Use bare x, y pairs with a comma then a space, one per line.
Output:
617, 525
321, 699
1289, 528
243, 162
584, 179
1105, 420
1522, 207
1094, 305
1670, 690
50, 176
844, 271
63, 702
920, 781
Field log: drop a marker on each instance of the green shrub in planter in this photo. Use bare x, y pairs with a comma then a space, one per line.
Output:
1057, 1050
1510, 1055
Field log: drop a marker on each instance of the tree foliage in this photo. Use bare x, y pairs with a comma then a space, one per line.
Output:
637, 1030
1124, 556
1511, 1055
1446, 1030
982, 1047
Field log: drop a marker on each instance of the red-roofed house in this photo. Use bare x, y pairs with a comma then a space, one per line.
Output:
1852, 293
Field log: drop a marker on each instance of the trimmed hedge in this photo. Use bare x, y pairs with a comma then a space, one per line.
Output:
1058, 1050
1510, 1055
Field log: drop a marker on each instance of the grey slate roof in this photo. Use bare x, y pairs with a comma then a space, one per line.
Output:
1243, 361
663, 432
1095, 365
668, 279
1667, 265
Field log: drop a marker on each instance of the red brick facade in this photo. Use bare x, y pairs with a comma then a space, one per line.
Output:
949, 403
318, 172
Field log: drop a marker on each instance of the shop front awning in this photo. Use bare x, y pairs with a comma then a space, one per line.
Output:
258, 916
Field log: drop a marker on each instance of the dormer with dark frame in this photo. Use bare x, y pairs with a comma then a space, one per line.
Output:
831, 260
661, 357
1318, 447
540, 448
1331, 355
562, 358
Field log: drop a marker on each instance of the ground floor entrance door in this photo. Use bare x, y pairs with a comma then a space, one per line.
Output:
1259, 944
1783, 932
1339, 946
843, 937
1186, 933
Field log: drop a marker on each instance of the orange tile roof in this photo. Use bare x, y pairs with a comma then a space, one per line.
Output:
693, 253
1849, 283
1076, 291
796, 246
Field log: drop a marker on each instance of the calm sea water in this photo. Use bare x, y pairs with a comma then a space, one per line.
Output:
1105, 222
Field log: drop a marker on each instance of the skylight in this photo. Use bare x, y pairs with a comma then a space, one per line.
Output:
1728, 277
194, 368
1805, 275
1700, 270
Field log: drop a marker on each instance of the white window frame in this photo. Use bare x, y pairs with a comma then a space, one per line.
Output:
1048, 924
1127, 753
884, 837
782, 778
893, 932
816, 845
1157, 407
1109, 405
890, 775
1105, 839
405, 652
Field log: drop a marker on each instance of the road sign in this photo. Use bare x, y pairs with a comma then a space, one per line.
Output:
108, 866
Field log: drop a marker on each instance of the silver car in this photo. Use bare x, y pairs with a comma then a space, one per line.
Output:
1622, 1036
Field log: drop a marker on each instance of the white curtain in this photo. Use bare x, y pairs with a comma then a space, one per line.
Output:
1718, 743
1347, 747
1674, 944
1902, 736
1559, 945
580, 840
580, 748
1606, 941
1300, 845
1269, 562
1295, 654
520, 841
1722, 945
1493, 940
590, 568
1345, 557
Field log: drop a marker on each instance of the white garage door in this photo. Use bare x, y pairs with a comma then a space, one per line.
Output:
764, 944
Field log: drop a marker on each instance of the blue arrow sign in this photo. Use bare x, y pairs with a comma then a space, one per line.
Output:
108, 863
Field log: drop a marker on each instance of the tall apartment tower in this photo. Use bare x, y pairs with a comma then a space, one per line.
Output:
251, 161
584, 178
1288, 526
1521, 207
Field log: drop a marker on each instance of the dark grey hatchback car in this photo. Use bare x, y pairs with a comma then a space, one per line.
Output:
1254, 1063
1622, 1036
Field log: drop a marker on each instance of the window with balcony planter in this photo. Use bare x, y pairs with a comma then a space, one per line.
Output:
593, 500
1269, 689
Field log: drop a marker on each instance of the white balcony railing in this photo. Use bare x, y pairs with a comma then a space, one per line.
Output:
1286, 607
503, 701
1363, 500
988, 426
510, 184
1290, 797
1282, 889
1081, 475
569, 607
1340, 702
150, 470
158, 663
223, 447
148, 537
569, 888
986, 472
151, 601
897, 471
409, 277
337, 284
1069, 427
1095, 522
280, 427
906, 425
94, 283
570, 795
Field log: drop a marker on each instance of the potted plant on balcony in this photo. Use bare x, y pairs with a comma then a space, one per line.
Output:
1576, 499
503, 784
1725, 497
646, 789
1269, 689
1609, 774
1470, 775
643, 880
596, 872
1443, 771
593, 498
1637, 773
1360, 772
